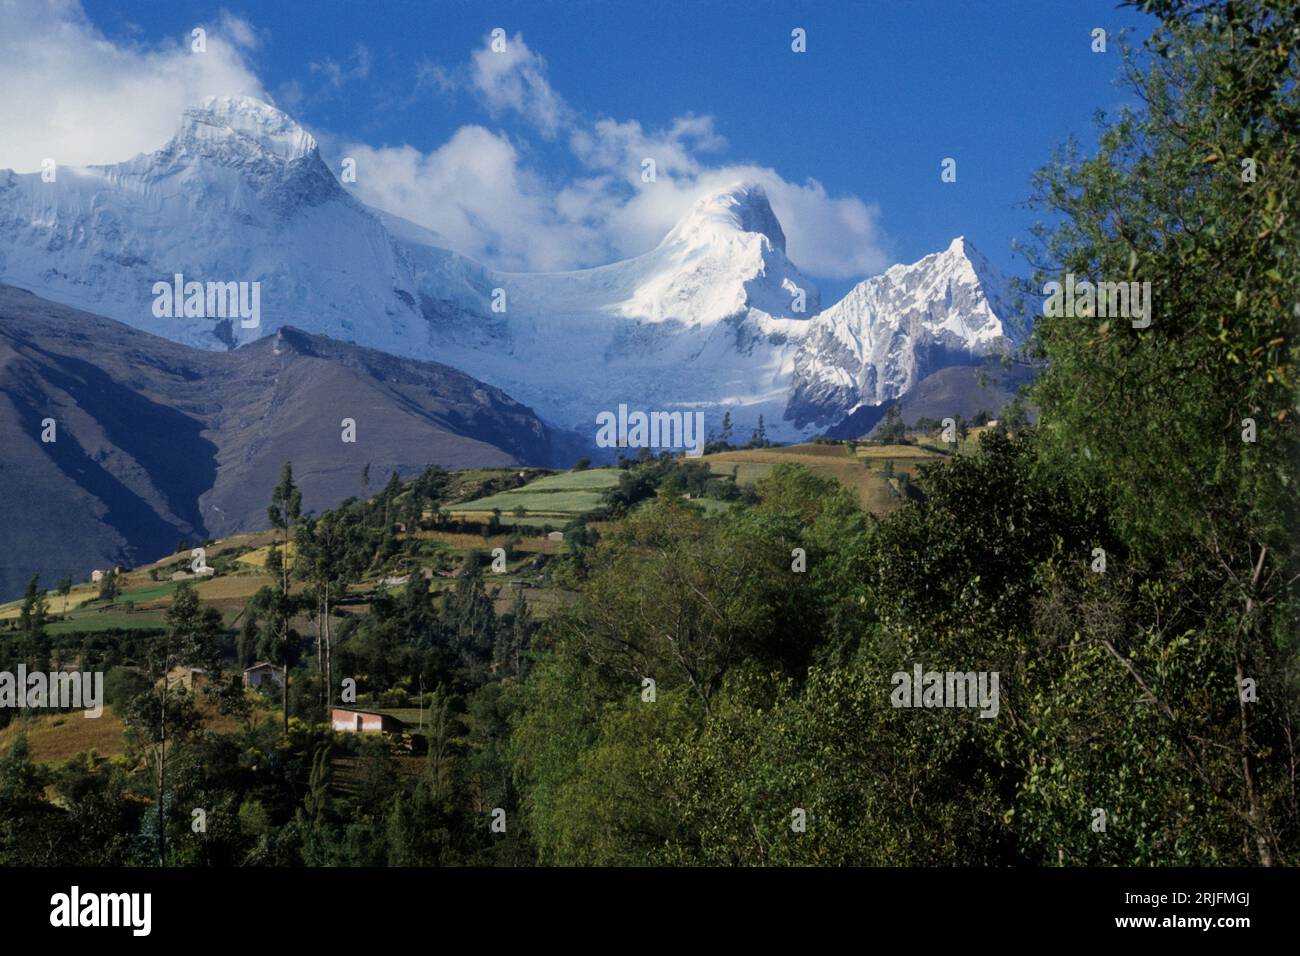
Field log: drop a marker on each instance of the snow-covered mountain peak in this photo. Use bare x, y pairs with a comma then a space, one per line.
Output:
239, 196
240, 152
948, 308
960, 261
242, 124
739, 208
724, 259
963, 250
714, 317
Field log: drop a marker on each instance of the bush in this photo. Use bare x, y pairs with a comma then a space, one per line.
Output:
123, 683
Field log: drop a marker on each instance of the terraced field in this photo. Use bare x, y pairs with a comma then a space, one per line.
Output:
257, 557
78, 596
56, 737
569, 494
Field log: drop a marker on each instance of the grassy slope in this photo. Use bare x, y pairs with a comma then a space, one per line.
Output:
862, 472
56, 737
570, 493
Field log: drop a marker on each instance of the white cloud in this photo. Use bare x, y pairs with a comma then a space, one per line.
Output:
72, 95
337, 75
834, 237
479, 191
513, 78
622, 147
827, 236
475, 191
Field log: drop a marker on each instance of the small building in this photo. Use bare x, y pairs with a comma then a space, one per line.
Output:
395, 581
190, 678
96, 576
555, 536
260, 673
352, 721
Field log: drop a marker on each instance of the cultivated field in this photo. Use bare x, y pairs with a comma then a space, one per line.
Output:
862, 471
568, 494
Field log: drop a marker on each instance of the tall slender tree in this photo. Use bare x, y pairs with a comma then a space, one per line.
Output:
277, 602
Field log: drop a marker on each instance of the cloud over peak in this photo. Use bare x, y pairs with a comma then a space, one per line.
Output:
638, 182
536, 186
74, 96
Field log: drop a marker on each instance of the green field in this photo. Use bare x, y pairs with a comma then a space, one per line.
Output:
862, 471
410, 716
533, 521
746, 472
571, 493
712, 506
109, 620
576, 480
151, 593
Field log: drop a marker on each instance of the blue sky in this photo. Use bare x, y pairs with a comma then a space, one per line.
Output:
848, 136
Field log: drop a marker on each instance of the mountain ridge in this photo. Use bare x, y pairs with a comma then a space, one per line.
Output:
716, 317
156, 441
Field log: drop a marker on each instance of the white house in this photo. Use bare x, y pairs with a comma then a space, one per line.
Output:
363, 721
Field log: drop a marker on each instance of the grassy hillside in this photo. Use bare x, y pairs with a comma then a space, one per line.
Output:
861, 468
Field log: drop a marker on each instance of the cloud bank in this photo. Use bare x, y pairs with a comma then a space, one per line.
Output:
71, 94
481, 191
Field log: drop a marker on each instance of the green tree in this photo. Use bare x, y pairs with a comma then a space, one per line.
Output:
328, 559
166, 711
64, 589
33, 614
891, 427
27, 822
277, 602
1196, 193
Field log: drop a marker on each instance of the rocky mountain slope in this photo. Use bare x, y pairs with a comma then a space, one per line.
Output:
157, 441
891, 331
